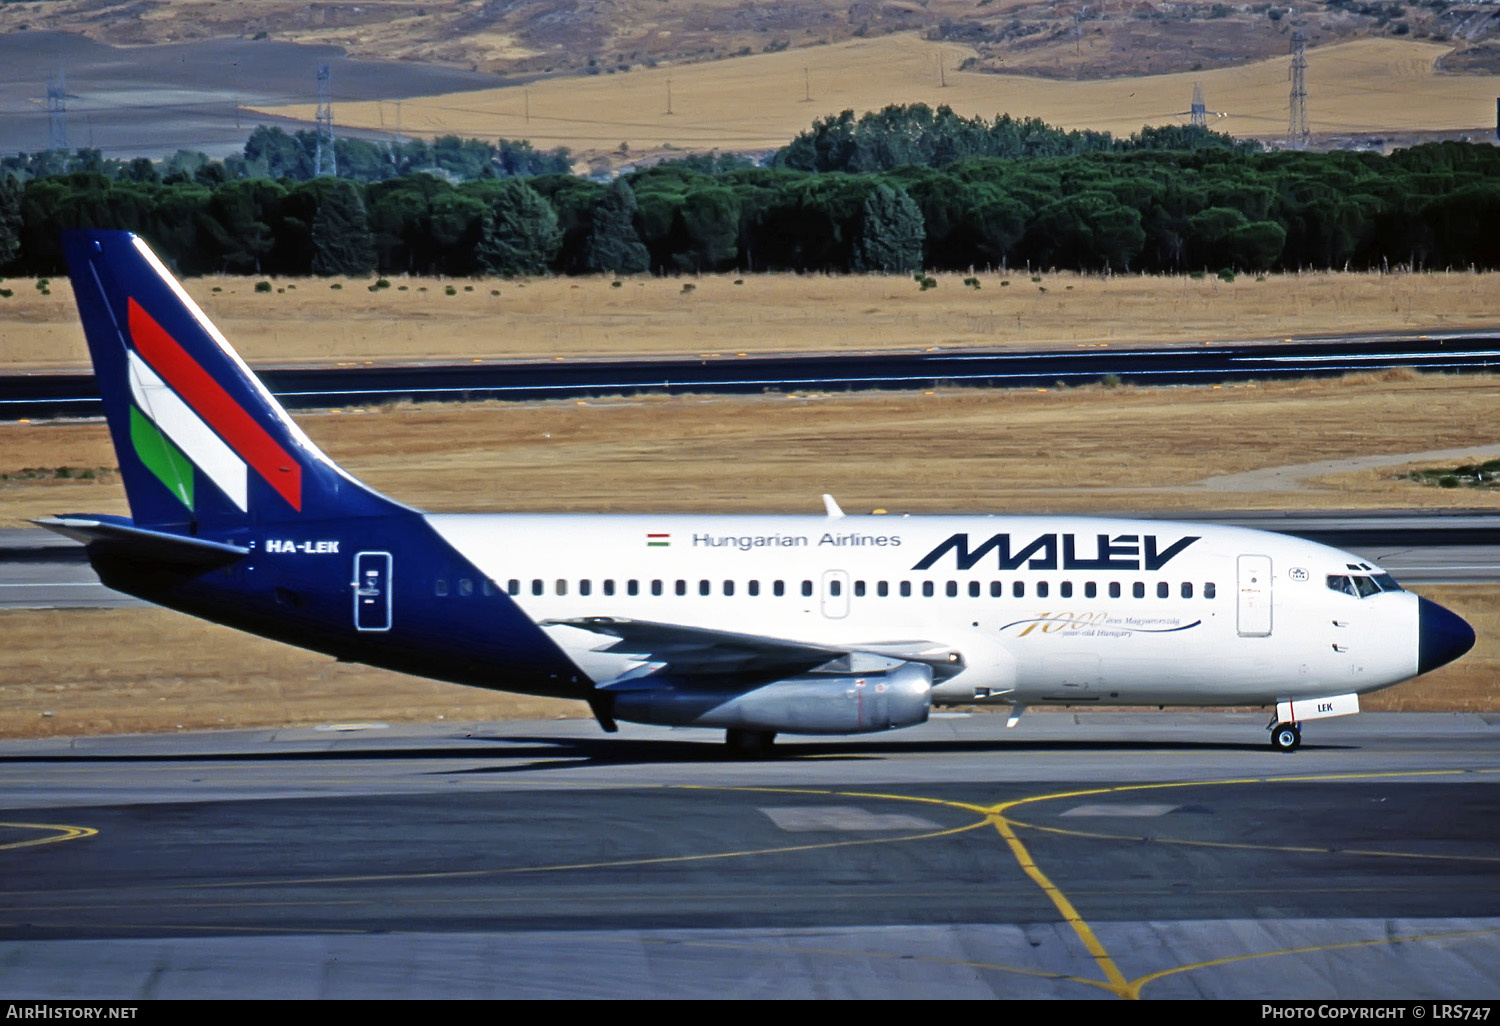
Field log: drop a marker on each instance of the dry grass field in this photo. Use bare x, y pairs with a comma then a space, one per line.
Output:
1090, 449
948, 450
71, 672
306, 321
759, 102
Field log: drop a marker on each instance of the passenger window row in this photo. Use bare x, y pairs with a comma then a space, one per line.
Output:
859, 589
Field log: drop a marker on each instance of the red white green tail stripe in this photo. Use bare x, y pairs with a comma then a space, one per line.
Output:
182, 418
175, 423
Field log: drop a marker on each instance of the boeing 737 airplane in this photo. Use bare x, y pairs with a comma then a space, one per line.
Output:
756, 625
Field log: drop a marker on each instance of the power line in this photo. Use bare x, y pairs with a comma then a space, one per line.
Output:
57, 112
1297, 135
325, 126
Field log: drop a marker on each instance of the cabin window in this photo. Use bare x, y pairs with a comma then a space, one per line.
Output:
609, 586
859, 589
537, 587
1018, 589
996, 589
807, 589
632, 587
906, 589
1187, 589
952, 589
1114, 589
656, 587
513, 586
1209, 591
728, 588
835, 588
1090, 590
1041, 589
466, 587
1065, 589
1138, 589
973, 589
562, 586
705, 588
585, 587
1163, 589
754, 588
440, 587
778, 588
927, 589
488, 587
680, 587
883, 589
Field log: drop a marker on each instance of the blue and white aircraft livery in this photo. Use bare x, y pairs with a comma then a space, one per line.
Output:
756, 625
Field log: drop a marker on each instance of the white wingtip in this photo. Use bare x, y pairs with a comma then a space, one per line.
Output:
834, 513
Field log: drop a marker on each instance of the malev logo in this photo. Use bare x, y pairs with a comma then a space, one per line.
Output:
1096, 552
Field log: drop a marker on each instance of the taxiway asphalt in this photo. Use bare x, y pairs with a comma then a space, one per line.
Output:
35, 396
1097, 855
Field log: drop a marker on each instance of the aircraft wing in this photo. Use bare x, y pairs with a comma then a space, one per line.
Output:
683, 652
668, 650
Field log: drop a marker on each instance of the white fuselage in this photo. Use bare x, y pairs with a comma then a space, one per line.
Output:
1034, 609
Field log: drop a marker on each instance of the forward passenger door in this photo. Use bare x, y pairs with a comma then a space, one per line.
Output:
1254, 596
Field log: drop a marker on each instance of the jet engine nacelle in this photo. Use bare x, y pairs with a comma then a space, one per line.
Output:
817, 704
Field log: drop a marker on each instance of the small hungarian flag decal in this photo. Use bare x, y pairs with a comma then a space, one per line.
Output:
658, 540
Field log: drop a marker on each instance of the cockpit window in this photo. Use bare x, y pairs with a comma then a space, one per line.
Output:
1361, 586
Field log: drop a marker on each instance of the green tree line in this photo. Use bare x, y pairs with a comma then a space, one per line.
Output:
276, 154
1171, 201
916, 134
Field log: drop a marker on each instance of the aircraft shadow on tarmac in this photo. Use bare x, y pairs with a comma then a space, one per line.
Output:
520, 752
58, 554
566, 752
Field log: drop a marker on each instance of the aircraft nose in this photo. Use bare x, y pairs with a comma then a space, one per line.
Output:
1441, 636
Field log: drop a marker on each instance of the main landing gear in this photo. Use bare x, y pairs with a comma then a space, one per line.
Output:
1286, 737
750, 744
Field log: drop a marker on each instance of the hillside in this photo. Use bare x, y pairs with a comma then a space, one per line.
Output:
1100, 39
761, 101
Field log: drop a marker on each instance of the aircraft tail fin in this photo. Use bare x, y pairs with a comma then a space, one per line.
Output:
202, 444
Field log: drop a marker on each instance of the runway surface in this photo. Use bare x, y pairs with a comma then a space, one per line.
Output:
1104, 855
76, 395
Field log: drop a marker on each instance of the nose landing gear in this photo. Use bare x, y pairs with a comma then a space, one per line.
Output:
1285, 737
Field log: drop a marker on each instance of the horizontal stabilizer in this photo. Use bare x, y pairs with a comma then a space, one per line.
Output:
118, 535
